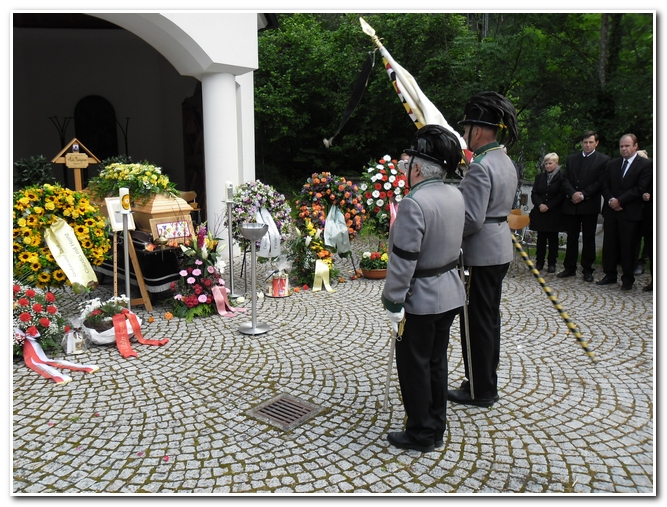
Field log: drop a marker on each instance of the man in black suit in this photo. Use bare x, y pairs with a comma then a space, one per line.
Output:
627, 178
582, 186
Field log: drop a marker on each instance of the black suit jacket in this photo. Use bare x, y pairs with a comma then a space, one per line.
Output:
552, 196
584, 174
628, 190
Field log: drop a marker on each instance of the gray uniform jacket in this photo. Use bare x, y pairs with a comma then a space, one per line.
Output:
426, 235
488, 189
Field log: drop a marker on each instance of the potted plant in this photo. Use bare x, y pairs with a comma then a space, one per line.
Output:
201, 272
374, 264
96, 319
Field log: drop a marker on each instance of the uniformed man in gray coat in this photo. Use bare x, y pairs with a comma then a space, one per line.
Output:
422, 285
488, 189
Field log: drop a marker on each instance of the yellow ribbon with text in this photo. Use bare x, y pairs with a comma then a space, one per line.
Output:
321, 276
67, 252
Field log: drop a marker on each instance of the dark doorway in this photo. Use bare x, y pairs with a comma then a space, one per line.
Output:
95, 127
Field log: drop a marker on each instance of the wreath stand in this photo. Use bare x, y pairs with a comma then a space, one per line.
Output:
144, 299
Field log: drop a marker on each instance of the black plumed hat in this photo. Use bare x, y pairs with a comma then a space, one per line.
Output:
437, 144
494, 110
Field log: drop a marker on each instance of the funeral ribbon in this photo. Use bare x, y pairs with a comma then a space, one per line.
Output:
336, 234
122, 338
321, 277
67, 252
36, 360
222, 302
393, 209
136, 327
270, 242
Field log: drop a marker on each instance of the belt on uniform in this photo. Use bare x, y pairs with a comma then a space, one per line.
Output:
495, 220
425, 273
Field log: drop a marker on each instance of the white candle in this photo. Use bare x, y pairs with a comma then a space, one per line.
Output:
125, 200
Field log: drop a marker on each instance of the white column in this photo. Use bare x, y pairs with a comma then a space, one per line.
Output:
222, 141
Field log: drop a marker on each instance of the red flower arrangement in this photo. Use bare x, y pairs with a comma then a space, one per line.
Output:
35, 315
383, 185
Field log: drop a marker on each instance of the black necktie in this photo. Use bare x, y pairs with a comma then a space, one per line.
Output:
624, 168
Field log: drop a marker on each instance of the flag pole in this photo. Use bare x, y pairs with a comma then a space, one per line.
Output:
568, 321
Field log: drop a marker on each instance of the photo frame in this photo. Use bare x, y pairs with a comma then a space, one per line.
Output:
178, 228
115, 217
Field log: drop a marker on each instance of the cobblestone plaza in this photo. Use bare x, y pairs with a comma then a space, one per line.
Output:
175, 419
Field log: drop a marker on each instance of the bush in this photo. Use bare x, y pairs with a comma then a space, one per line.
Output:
32, 171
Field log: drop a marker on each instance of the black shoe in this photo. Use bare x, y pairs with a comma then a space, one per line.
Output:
539, 266
588, 277
401, 440
626, 286
464, 398
648, 288
566, 272
551, 269
439, 443
607, 280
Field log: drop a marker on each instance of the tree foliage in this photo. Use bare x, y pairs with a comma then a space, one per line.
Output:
565, 73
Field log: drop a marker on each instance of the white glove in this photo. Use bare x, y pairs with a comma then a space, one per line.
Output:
395, 317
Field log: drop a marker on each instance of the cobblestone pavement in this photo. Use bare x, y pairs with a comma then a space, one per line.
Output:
175, 418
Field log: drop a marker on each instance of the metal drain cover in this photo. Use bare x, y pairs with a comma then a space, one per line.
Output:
284, 411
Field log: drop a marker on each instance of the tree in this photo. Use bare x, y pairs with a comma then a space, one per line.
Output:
565, 73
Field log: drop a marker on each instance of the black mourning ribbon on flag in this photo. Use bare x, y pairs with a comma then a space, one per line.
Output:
357, 93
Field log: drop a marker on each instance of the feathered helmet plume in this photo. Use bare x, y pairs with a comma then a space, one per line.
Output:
437, 144
492, 109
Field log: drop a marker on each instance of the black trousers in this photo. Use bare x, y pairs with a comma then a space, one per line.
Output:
543, 238
486, 284
586, 224
619, 247
421, 361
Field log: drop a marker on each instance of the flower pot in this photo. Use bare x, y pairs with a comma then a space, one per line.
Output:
374, 274
109, 336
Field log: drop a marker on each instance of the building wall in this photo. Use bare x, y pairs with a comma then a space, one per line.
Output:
54, 68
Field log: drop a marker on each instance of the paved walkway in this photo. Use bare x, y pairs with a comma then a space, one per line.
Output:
174, 419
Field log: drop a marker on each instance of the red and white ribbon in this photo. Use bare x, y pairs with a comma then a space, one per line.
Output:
36, 360
393, 209
222, 302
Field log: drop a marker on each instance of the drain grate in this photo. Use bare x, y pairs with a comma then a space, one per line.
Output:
284, 411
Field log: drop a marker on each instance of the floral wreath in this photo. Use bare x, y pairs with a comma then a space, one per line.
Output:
320, 192
382, 184
35, 209
323, 190
143, 180
251, 197
35, 315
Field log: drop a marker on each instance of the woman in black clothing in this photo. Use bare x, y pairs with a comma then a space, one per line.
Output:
545, 217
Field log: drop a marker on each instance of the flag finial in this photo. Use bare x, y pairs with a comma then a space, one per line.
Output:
368, 30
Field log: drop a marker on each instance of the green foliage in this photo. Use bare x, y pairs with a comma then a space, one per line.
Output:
548, 64
32, 171
189, 314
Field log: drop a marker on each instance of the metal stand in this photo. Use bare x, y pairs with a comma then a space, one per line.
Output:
253, 232
230, 246
126, 257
